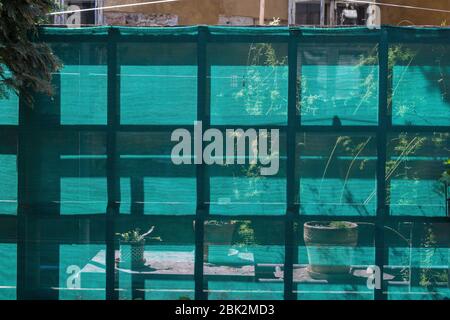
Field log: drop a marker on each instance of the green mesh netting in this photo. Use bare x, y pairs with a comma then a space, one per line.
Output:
101, 146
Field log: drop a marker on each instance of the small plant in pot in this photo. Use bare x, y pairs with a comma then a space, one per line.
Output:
330, 248
136, 240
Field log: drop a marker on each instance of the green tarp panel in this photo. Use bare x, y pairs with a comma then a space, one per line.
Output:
364, 132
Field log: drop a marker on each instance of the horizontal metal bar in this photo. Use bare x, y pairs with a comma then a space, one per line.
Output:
166, 127
6, 217
89, 38
212, 38
339, 39
418, 129
388, 219
245, 217
9, 127
282, 217
422, 219
144, 38
302, 218
336, 129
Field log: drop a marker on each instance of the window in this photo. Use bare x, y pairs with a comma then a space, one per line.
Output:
307, 14
86, 18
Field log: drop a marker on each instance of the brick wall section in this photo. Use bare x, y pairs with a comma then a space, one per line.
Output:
139, 19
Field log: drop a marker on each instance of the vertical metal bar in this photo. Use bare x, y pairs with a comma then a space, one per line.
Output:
262, 13
48, 250
201, 170
137, 210
298, 236
448, 271
22, 199
60, 19
32, 281
332, 12
417, 229
380, 252
99, 12
291, 15
291, 167
322, 12
113, 179
446, 199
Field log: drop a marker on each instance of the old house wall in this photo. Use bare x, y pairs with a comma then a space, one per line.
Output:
192, 12
403, 16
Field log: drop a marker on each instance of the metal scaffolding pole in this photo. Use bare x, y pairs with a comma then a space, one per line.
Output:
322, 12
262, 7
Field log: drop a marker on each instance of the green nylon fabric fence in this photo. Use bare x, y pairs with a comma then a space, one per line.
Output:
158, 87
104, 139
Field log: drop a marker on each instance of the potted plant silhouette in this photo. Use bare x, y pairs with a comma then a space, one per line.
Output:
330, 246
445, 178
217, 233
136, 240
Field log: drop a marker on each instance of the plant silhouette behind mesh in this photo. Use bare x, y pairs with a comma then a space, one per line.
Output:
403, 148
26, 66
429, 277
135, 236
261, 93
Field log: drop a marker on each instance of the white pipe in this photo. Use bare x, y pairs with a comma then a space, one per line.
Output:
262, 7
322, 12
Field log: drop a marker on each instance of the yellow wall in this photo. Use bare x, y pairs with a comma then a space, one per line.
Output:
396, 16
192, 12
250, 8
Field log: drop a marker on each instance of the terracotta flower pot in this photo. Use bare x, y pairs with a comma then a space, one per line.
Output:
217, 234
330, 247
